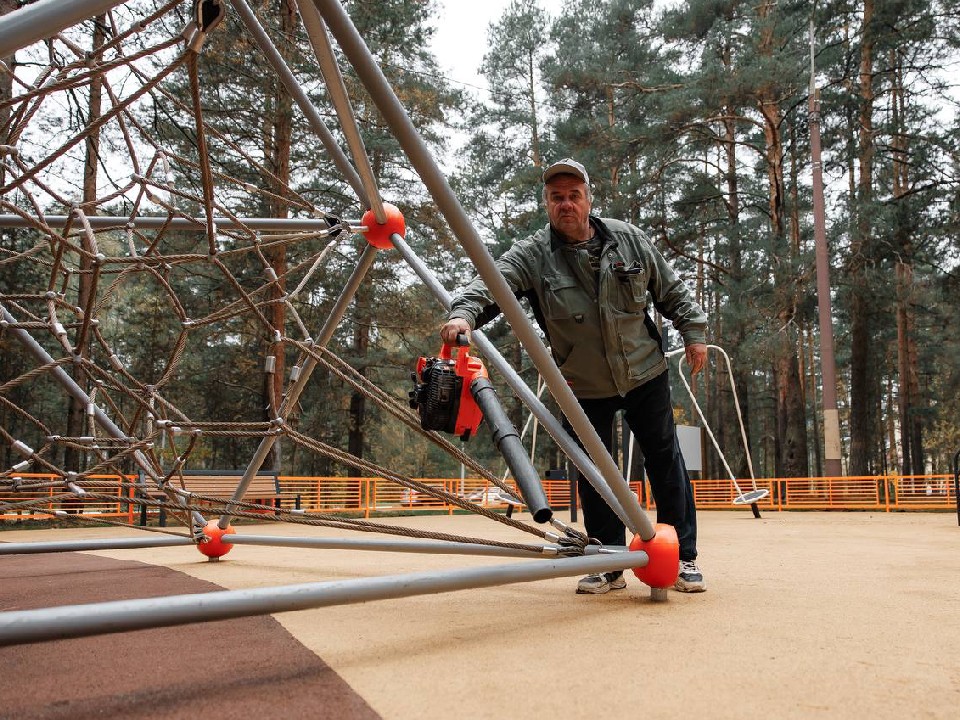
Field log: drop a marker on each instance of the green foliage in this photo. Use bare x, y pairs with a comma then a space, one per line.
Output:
675, 111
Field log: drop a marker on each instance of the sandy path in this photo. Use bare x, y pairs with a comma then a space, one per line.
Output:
807, 615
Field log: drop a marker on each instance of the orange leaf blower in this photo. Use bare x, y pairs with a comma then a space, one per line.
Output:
441, 391
454, 395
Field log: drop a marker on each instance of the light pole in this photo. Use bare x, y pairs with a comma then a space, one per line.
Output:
828, 368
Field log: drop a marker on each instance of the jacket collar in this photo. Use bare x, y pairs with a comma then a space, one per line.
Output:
556, 242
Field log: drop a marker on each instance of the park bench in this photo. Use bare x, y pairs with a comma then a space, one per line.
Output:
264, 489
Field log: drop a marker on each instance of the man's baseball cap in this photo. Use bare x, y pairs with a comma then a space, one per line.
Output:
567, 166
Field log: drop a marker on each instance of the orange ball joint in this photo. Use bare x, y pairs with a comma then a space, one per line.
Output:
378, 234
663, 551
214, 548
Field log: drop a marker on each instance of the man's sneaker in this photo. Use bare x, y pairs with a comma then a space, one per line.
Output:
690, 579
602, 583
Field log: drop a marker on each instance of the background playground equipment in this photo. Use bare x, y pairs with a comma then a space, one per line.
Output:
127, 418
753, 496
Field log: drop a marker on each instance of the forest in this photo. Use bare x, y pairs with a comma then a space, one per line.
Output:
697, 120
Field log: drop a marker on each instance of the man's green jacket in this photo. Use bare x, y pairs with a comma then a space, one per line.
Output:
596, 323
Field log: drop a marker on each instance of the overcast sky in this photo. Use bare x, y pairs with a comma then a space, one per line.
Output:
461, 36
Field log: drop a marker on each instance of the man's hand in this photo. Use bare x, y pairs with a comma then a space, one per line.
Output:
696, 357
452, 328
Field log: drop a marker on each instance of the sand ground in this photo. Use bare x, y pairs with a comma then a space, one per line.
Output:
833, 615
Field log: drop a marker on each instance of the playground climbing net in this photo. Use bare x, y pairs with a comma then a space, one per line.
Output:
85, 267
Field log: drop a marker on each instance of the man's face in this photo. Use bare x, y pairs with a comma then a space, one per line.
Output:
568, 207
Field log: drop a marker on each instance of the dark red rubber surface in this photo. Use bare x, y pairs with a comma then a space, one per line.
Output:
242, 668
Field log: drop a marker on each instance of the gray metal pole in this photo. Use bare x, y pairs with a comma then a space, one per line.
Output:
143, 222
293, 393
83, 620
36, 548
61, 375
337, 91
422, 160
429, 547
293, 87
832, 462
516, 383
44, 19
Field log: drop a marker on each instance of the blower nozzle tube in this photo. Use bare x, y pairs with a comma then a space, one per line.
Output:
507, 440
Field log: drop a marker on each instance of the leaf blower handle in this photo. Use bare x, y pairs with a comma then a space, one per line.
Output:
463, 341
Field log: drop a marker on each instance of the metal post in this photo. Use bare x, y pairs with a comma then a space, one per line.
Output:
36, 548
429, 547
83, 620
156, 222
832, 464
341, 103
43, 19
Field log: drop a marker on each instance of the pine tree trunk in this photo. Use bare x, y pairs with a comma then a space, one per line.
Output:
814, 405
893, 457
791, 423
911, 429
277, 138
76, 412
863, 384
357, 416
534, 125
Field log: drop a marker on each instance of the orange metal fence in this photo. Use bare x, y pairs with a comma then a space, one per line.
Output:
887, 493
16, 505
367, 496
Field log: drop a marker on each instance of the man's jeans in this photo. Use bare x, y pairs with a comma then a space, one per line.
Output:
648, 411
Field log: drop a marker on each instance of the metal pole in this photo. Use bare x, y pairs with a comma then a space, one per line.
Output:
145, 222
341, 103
832, 464
309, 110
68, 383
44, 19
293, 393
429, 547
553, 426
83, 620
36, 548
420, 157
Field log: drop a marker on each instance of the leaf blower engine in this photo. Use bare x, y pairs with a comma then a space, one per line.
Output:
441, 392
453, 395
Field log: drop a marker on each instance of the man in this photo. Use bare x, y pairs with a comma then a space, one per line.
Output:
588, 279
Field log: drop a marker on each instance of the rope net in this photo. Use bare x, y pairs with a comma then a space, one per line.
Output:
129, 254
